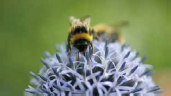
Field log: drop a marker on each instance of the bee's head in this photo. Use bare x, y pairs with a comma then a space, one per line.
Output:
81, 44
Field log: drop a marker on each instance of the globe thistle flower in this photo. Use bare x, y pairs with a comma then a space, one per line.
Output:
112, 70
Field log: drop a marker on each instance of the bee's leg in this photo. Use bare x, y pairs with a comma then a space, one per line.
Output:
69, 49
78, 56
96, 37
92, 48
84, 53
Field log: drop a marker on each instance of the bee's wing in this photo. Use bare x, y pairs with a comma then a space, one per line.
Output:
82, 19
73, 21
120, 24
86, 20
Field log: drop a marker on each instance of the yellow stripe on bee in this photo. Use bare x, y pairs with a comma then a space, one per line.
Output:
86, 36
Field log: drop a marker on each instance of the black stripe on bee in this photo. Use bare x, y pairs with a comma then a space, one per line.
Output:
79, 29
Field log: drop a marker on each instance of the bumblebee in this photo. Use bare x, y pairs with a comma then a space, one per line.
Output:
80, 34
109, 32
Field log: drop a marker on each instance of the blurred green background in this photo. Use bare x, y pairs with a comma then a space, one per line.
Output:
30, 27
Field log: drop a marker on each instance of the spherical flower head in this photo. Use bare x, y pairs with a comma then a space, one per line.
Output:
111, 70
